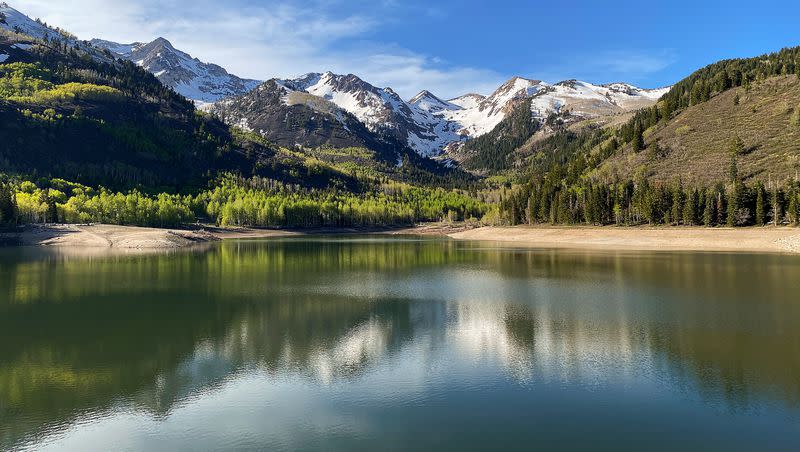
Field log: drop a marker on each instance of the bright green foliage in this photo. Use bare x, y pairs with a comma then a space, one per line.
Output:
84, 205
69, 92
237, 202
240, 203
33, 83
23, 79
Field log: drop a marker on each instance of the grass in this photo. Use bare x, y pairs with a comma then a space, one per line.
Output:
695, 144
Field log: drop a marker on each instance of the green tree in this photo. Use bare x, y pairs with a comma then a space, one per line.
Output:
733, 205
677, 202
8, 205
638, 137
794, 207
691, 208
735, 149
760, 205
776, 206
709, 213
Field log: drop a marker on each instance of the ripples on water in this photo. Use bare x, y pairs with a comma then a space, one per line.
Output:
396, 344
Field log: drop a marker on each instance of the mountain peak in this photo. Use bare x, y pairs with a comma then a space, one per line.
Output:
423, 94
203, 82
162, 42
429, 98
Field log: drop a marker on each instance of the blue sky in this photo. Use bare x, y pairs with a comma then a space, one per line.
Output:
449, 47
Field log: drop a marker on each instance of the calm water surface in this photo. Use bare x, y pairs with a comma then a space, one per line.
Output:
391, 343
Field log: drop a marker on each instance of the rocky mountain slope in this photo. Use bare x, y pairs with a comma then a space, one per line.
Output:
188, 76
294, 118
319, 109
735, 120
429, 124
15, 22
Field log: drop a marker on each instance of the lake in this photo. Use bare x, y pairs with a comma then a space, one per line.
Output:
397, 343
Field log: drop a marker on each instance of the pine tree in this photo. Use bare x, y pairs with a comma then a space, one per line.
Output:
709, 212
677, 203
776, 207
690, 210
638, 138
793, 208
736, 148
760, 205
733, 205
8, 205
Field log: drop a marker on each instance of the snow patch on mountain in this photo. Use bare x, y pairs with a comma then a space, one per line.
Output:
383, 110
429, 124
470, 100
188, 76
17, 22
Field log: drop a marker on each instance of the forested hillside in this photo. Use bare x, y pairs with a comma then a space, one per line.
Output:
87, 139
721, 148
63, 114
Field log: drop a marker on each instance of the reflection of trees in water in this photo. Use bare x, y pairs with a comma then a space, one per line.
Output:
77, 335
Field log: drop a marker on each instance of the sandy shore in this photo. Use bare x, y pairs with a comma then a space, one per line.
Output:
106, 236
97, 236
768, 240
765, 240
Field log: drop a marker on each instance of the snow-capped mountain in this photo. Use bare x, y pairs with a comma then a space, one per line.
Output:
429, 124
293, 118
478, 115
381, 110
426, 123
13, 20
190, 77
17, 22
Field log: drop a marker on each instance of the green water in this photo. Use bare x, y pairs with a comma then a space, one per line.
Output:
399, 344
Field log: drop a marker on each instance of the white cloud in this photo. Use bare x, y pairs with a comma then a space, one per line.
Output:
279, 40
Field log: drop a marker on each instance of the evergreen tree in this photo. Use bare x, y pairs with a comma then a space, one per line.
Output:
736, 148
776, 207
709, 213
794, 208
638, 138
8, 205
733, 205
691, 209
760, 205
677, 203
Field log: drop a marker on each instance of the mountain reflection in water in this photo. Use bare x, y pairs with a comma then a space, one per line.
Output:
346, 342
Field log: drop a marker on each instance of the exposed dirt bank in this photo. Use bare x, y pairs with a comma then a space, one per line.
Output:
768, 240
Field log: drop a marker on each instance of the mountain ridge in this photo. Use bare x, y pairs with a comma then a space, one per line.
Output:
187, 75
426, 123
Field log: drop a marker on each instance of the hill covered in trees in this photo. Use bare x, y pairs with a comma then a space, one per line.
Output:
721, 148
87, 138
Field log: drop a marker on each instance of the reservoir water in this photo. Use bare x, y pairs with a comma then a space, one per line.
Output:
397, 343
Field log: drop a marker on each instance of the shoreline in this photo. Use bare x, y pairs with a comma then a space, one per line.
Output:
784, 240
